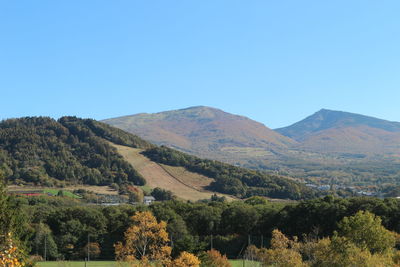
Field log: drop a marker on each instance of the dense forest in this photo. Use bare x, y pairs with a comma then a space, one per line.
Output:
230, 179
65, 224
43, 151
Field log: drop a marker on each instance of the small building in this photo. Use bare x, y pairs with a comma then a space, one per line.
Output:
148, 200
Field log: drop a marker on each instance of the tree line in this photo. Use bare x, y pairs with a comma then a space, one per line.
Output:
65, 225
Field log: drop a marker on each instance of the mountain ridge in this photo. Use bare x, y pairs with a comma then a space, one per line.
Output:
338, 131
325, 119
203, 130
324, 146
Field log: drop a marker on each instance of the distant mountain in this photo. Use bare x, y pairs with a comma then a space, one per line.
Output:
326, 147
331, 131
207, 132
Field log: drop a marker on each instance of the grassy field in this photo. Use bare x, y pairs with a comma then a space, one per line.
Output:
54, 192
234, 263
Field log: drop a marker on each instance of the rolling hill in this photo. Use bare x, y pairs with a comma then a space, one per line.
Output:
72, 151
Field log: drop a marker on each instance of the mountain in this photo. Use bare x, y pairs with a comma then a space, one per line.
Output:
206, 132
326, 147
40, 151
329, 131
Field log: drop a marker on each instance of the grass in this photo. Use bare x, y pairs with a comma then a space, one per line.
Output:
146, 188
240, 263
234, 263
54, 192
185, 185
77, 264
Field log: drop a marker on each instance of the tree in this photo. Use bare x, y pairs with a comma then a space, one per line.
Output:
339, 252
135, 194
365, 230
162, 194
44, 239
186, 259
284, 252
93, 248
10, 253
239, 218
145, 239
213, 258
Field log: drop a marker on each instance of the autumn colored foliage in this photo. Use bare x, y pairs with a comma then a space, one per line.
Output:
9, 253
213, 258
145, 240
360, 241
186, 259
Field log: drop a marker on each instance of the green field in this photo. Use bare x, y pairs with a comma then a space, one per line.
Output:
54, 192
235, 263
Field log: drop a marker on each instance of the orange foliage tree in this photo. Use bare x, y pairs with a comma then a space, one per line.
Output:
186, 259
213, 258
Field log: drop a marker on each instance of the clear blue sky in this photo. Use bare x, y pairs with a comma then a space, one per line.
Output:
273, 61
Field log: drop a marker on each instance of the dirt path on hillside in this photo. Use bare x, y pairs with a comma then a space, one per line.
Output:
157, 176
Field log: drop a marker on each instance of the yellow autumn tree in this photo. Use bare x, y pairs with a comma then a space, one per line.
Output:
186, 259
283, 253
146, 240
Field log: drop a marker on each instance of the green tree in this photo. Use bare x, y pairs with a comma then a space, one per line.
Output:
44, 239
365, 230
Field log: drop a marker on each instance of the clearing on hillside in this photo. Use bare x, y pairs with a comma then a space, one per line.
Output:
184, 184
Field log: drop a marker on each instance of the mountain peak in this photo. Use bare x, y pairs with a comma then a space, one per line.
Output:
205, 131
326, 119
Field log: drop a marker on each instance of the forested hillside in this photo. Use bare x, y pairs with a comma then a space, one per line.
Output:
44, 151
232, 180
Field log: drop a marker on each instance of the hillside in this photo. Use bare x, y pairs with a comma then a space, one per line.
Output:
329, 131
230, 179
184, 184
206, 132
72, 151
42, 151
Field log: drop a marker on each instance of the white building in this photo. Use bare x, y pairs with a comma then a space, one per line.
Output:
148, 200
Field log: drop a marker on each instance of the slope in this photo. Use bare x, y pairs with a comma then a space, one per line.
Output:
184, 184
